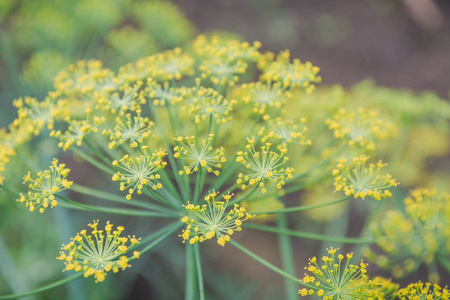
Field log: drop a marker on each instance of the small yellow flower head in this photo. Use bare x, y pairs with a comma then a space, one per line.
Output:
286, 131
335, 279
383, 288
428, 207
295, 74
427, 291
415, 237
165, 66
139, 172
43, 189
34, 115
99, 252
264, 97
207, 157
83, 78
162, 94
263, 165
226, 49
134, 130
211, 220
359, 180
223, 60
361, 128
205, 103
126, 98
75, 133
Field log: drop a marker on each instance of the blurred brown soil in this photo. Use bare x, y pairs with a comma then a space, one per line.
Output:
349, 40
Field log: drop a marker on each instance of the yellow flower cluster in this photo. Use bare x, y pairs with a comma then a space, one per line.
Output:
359, 180
383, 288
361, 128
75, 133
212, 220
206, 103
98, 252
205, 156
427, 291
138, 172
417, 237
224, 60
126, 98
34, 115
264, 97
263, 165
165, 66
336, 280
285, 131
132, 129
45, 186
295, 74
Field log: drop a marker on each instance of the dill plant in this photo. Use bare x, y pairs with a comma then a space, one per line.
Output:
200, 155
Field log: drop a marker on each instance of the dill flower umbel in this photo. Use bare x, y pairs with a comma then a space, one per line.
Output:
205, 103
359, 180
75, 133
263, 165
383, 288
98, 252
264, 97
335, 280
134, 130
419, 236
45, 186
362, 128
126, 98
138, 172
211, 220
286, 131
295, 74
206, 156
421, 291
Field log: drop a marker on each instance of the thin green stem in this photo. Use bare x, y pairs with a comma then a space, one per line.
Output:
152, 193
98, 153
287, 258
118, 211
198, 186
237, 200
44, 288
444, 262
172, 161
300, 208
93, 161
310, 235
198, 265
159, 236
269, 265
229, 170
300, 186
190, 273
114, 197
